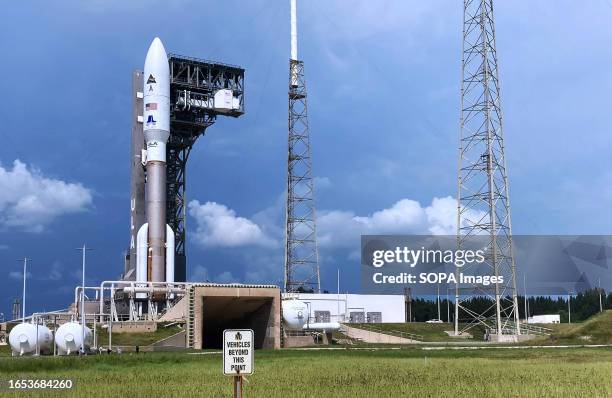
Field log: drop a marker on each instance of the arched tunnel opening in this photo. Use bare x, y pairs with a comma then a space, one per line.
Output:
236, 307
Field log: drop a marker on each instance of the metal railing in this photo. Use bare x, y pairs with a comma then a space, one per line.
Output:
510, 327
391, 332
540, 330
295, 333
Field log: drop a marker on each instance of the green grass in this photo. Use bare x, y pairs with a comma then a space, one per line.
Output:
340, 372
335, 373
595, 330
140, 339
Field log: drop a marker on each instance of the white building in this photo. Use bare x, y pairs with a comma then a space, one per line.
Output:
355, 308
544, 319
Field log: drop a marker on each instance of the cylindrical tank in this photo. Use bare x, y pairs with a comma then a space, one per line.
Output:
323, 326
68, 338
23, 339
295, 314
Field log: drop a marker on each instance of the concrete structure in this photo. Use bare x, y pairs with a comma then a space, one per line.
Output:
306, 340
553, 318
353, 308
176, 341
213, 308
508, 338
3, 333
177, 313
374, 337
135, 327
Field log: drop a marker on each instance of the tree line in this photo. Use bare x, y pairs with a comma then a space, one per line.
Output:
582, 306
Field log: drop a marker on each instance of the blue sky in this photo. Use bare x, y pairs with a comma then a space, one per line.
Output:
383, 80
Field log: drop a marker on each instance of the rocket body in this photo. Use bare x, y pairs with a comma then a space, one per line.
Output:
156, 126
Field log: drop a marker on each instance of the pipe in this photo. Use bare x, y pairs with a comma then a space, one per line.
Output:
142, 289
132, 284
78, 288
322, 326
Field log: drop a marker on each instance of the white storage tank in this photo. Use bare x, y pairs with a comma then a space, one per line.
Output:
68, 338
295, 314
23, 339
323, 326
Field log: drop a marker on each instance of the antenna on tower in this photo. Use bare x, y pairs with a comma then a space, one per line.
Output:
294, 30
301, 251
483, 202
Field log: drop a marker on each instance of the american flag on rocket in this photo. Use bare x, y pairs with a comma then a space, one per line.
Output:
151, 107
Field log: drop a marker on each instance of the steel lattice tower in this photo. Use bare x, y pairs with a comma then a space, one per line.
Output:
483, 202
301, 251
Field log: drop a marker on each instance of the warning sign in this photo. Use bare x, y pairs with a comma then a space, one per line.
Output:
238, 352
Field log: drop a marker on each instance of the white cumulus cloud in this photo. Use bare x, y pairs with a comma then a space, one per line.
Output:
218, 225
407, 216
30, 201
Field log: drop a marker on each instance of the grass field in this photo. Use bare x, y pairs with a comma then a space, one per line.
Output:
340, 372
595, 330
583, 372
133, 339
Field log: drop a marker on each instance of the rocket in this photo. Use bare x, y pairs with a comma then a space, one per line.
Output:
155, 239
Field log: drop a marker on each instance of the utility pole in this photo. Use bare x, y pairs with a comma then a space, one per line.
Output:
439, 316
525, 290
483, 202
23, 295
447, 307
600, 303
338, 298
569, 308
408, 302
83, 250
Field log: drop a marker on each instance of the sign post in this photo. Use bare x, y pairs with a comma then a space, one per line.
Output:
238, 356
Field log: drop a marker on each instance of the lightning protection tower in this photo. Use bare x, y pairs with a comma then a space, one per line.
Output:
301, 252
483, 202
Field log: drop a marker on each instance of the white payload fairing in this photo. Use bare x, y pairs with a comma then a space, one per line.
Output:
155, 239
